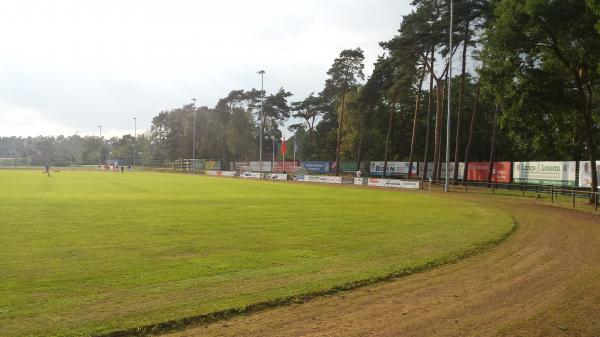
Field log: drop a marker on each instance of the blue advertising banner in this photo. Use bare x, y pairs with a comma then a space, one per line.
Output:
316, 166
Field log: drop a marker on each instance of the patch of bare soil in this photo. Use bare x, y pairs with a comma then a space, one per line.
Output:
542, 281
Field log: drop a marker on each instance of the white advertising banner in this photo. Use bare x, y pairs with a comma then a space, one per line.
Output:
221, 173
255, 166
328, 179
585, 173
278, 176
360, 181
560, 173
394, 168
315, 179
334, 180
251, 175
394, 183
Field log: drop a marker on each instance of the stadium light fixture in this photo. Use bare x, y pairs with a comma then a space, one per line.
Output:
447, 177
262, 97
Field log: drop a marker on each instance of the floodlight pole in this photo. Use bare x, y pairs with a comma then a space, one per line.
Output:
194, 135
447, 178
100, 149
262, 97
134, 137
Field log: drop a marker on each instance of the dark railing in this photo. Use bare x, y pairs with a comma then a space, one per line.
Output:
553, 193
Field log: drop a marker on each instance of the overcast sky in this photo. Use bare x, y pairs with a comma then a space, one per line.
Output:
67, 66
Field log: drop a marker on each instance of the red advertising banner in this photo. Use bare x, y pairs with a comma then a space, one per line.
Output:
290, 166
478, 171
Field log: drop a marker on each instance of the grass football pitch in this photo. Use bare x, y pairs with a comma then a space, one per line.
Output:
85, 253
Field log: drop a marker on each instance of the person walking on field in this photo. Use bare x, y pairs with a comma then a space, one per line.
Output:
47, 171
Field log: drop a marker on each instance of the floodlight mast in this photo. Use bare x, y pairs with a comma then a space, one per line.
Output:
447, 178
194, 136
134, 137
262, 97
100, 149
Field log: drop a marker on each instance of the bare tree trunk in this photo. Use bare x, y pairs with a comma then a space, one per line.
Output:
413, 140
471, 128
493, 145
460, 101
587, 92
387, 142
339, 135
360, 145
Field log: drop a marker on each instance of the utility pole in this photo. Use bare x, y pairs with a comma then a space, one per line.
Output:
447, 179
194, 136
262, 98
134, 138
100, 149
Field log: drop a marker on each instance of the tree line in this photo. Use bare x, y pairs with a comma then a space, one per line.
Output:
76, 149
525, 89
525, 76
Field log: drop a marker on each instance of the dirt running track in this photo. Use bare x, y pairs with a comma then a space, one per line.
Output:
543, 281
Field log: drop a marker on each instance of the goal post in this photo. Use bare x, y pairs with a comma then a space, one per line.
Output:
7, 163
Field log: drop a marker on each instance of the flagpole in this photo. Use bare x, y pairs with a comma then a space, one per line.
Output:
283, 151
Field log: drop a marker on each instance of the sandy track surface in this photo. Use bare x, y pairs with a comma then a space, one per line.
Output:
543, 281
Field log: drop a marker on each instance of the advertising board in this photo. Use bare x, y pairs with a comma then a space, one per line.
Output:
255, 166
393, 169
316, 166
250, 175
558, 173
212, 164
239, 166
278, 176
350, 166
478, 171
198, 164
585, 173
394, 183
290, 166
218, 173
328, 179
360, 181
442, 170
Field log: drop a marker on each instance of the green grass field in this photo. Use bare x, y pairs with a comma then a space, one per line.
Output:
92, 252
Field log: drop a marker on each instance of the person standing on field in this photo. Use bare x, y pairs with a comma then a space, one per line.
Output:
47, 167
122, 169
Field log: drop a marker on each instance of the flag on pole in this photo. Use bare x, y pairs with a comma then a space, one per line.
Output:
283, 145
295, 145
